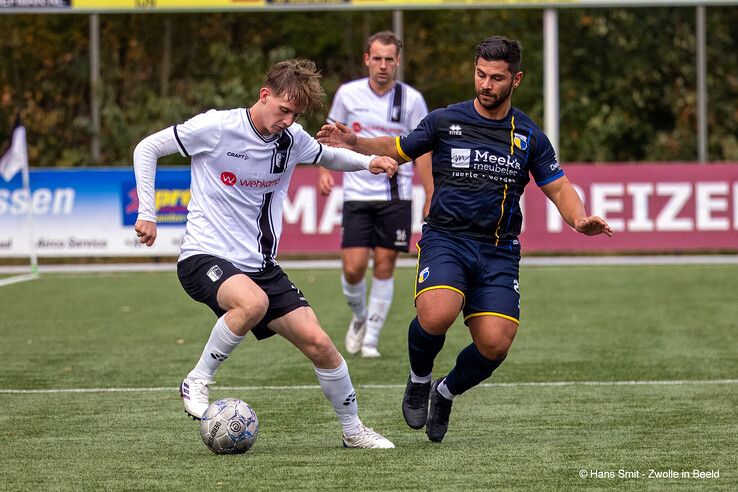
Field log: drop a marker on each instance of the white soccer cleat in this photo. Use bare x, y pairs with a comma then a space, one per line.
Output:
369, 352
355, 335
367, 439
194, 393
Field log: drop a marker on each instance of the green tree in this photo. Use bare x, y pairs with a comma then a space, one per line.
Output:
627, 78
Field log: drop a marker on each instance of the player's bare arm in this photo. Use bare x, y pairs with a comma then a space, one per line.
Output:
424, 166
146, 232
339, 135
571, 208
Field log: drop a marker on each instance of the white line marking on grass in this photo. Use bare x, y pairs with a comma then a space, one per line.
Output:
377, 386
402, 263
15, 280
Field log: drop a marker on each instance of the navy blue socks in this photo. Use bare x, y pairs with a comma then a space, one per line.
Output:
423, 348
471, 369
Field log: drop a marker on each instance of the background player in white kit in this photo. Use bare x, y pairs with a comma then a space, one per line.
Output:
242, 161
377, 213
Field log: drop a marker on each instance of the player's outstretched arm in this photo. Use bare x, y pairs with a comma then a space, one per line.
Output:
571, 208
339, 135
338, 159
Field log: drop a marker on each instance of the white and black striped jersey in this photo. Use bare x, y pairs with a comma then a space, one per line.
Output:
239, 183
368, 114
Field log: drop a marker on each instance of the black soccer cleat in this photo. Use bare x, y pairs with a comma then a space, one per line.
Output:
438, 414
415, 403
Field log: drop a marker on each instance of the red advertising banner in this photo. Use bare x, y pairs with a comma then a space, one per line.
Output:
651, 207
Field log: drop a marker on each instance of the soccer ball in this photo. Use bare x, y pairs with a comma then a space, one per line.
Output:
229, 426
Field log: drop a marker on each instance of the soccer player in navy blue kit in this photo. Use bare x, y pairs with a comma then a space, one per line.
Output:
484, 152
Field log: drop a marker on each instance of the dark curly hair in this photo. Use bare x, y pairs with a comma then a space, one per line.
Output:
498, 48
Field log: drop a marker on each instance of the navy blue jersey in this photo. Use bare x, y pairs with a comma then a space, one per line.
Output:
480, 168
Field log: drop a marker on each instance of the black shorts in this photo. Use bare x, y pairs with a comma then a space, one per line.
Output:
202, 275
377, 223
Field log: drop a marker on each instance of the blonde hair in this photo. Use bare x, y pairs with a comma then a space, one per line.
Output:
298, 80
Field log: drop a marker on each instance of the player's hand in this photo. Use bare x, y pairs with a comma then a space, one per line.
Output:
325, 184
383, 164
592, 226
337, 135
146, 232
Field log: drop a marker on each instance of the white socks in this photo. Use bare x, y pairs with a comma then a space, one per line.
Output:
380, 301
420, 380
444, 391
355, 297
337, 387
221, 343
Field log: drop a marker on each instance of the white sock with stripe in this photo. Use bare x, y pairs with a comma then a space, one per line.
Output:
355, 297
221, 344
337, 387
380, 300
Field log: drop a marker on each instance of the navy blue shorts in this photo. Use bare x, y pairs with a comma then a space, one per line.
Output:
202, 275
487, 276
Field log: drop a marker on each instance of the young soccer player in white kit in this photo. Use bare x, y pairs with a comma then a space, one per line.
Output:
242, 161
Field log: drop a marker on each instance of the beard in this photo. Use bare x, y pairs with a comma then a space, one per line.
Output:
498, 99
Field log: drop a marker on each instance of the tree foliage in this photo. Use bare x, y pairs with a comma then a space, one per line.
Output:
627, 76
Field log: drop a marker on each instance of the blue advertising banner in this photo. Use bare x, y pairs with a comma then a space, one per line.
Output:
89, 212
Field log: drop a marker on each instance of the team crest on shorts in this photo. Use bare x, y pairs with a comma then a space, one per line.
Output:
424, 273
215, 273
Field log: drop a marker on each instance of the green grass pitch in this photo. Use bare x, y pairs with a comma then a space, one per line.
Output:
546, 415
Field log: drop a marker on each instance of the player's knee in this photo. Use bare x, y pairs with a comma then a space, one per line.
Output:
383, 269
494, 350
435, 324
256, 306
261, 304
249, 312
354, 274
320, 349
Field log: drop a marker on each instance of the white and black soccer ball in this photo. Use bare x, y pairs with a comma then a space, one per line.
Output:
229, 426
